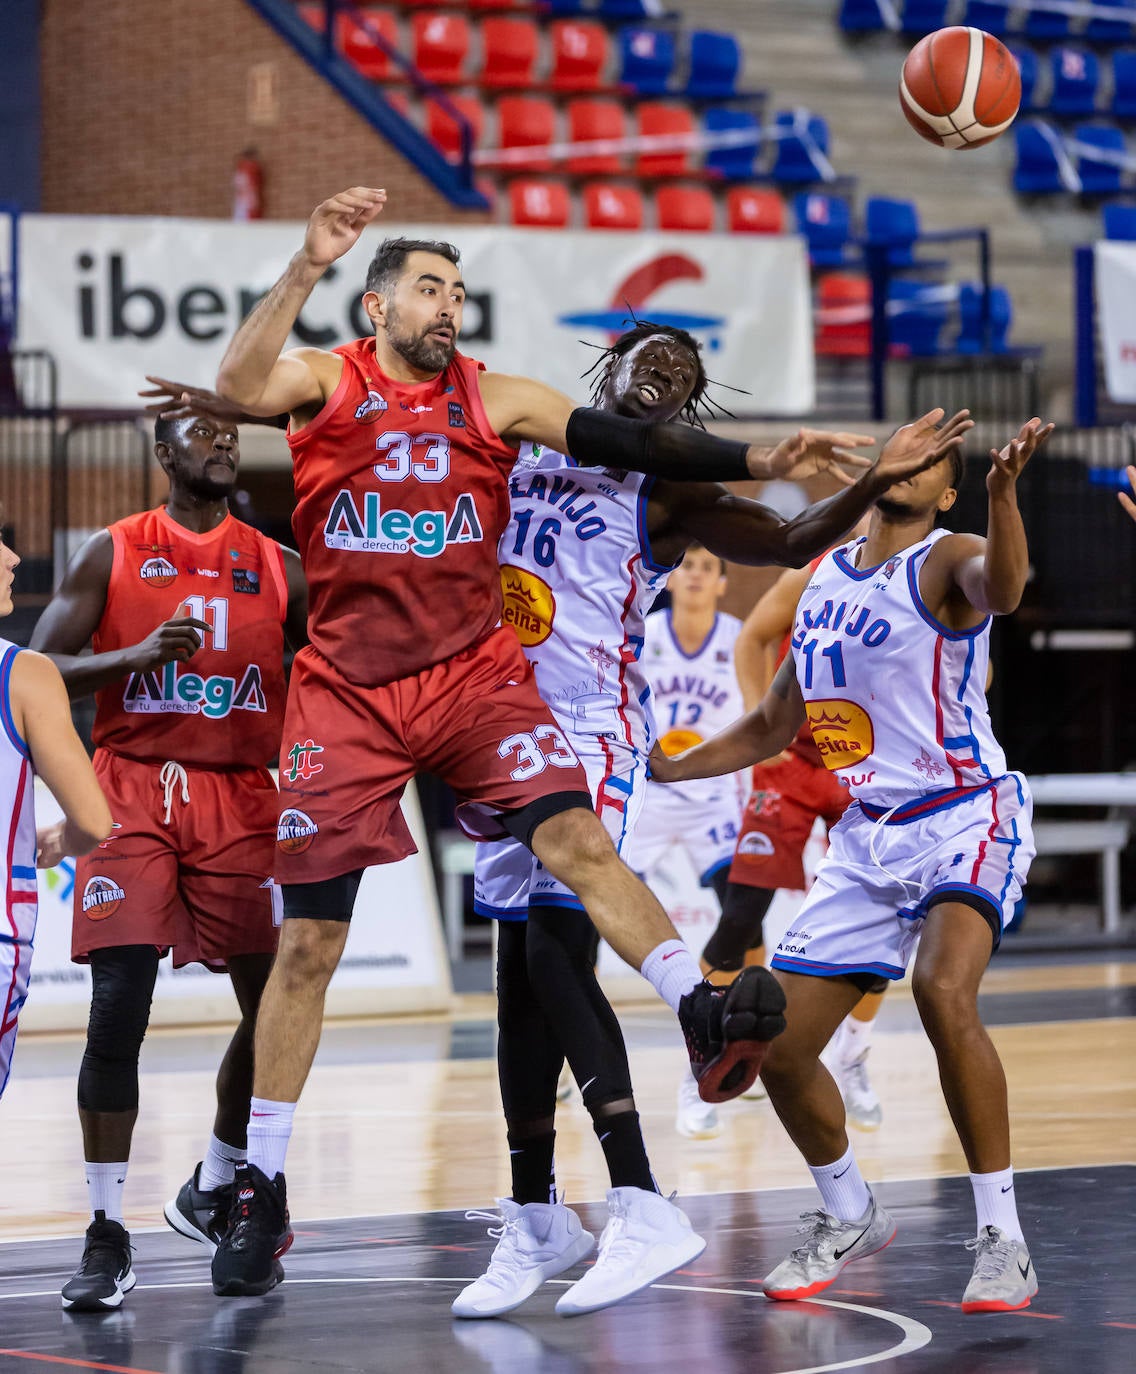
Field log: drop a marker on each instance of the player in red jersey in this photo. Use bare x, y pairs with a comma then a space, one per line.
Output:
186, 609
402, 449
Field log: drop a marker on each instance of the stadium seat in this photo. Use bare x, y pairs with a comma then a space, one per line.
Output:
612, 207
1000, 314
924, 16
1123, 104
715, 61
657, 121
539, 204
893, 224
443, 130
525, 121
509, 50
844, 316
825, 223
754, 210
628, 9
646, 59
568, 7
1120, 222
1048, 25
860, 16
589, 120
980, 14
917, 314
361, 50
440, 44
1026, 59
1098, 176
733, 162
1109, 30
579, 55
688, 209
802, 150
1076, 75
1037, 171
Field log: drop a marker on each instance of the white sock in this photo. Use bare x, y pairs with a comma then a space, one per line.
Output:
104, 1188
269, 1130
842, 1187
995, 1203
219, 1164
672, 971
856, 1039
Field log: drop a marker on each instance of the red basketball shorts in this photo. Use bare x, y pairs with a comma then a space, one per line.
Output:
476, 720
788, 795
199, 884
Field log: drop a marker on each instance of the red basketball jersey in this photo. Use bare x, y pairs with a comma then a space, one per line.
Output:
401, 497
224, 708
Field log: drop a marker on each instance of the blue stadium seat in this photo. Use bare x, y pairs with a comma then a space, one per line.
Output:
894, 223
733, 163
625, 9
1120, 222
1123, 104
995, 19
1076, 78
860, 16
565, 8
715, 61
924, 16
916, 316
825, 223
1099, 178
646, 59
1026, 59
1109, 30
1047, 25
797, 157
1000, 317
1036, 169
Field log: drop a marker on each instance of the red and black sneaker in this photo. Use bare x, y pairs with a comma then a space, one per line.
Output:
728, 1031
246, 1261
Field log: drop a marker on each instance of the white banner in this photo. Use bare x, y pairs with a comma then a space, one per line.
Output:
1115, 270
113, 298
394, 960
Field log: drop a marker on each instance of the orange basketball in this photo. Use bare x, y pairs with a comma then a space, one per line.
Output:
960, 87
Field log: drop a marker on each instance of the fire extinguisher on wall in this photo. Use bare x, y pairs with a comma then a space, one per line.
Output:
248, 186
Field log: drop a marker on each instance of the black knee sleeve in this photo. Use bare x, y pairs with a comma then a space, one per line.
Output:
331, 899
122, 987
720, 882
529, 1057
739, 927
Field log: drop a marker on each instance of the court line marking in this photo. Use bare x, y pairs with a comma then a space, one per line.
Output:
81, 1364
915, 1334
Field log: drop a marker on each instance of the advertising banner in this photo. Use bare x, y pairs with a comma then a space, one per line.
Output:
116, 297
1116, 309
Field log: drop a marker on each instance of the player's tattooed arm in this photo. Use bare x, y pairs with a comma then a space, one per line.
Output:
757, 735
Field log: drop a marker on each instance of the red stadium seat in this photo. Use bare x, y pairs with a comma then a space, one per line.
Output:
361, 51
443, 131
844, 316
509, 51
754, 210
579, 55
688, 209
588, 121
657, 120
541, 204
526, 122
441, 45
612, 207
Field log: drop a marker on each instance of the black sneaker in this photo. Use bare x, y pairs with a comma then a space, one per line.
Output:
728, 1031
198, 1213
244, 1263
105, 1274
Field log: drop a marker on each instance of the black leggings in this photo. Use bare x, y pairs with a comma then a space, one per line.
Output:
122, 987
739, 926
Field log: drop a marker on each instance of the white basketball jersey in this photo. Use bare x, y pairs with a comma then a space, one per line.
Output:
896, 701
693, 695
578, 579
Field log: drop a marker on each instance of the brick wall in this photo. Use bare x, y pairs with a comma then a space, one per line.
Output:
146, 104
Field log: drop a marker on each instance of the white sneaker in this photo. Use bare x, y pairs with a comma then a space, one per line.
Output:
565, 1084
646, 1237
534, 1242
695, 1119
1004, 1278
829, 1245
861, 1103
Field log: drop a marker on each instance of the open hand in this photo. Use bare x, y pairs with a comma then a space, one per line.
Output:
1006, 466
1125, 500
336, 224
180, 401
812, 451
921, 444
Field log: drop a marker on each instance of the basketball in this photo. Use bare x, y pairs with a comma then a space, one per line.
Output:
960, 88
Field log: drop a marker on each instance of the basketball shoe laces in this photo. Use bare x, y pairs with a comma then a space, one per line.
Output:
818, 1227
508, 1259
171, 775
106, 1250
992, 1256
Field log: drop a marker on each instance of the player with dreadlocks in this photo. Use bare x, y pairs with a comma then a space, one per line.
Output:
581, 559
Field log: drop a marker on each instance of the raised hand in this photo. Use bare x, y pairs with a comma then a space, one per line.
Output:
921, 444
812, 451
1006, 466
180, 401
179, 638
335, 226
1125, 500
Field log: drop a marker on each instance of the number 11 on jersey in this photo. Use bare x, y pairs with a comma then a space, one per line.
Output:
215, 613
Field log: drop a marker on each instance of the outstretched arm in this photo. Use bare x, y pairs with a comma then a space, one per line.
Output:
758, 735
760, 638
256, 373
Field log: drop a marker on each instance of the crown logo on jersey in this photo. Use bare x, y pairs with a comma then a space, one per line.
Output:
842, 730
529, 604
516, 588
371, 408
